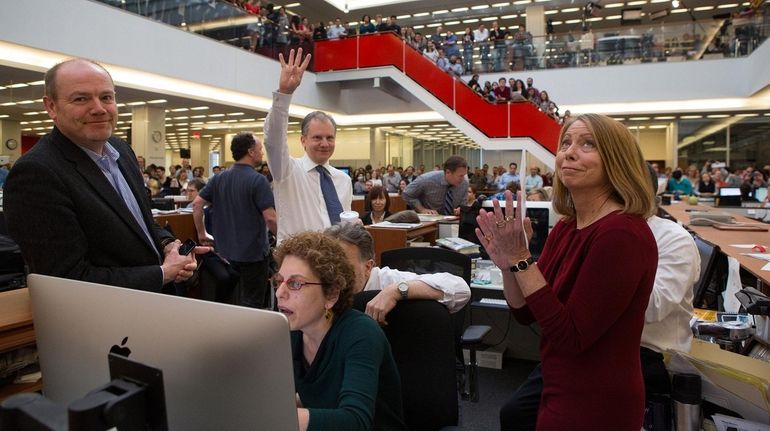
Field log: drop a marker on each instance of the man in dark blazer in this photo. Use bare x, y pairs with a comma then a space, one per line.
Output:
76, 203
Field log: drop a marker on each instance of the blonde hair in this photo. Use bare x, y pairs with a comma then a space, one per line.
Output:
623, 163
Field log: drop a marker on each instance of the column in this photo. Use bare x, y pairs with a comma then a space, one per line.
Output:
148, 134
10, 135
199, 152
536, 25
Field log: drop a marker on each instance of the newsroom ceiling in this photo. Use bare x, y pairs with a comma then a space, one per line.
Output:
21, 90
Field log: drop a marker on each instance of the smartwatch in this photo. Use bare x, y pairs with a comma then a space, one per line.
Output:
403, 289
522, 265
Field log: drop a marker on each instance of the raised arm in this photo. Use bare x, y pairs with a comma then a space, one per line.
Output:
277, 119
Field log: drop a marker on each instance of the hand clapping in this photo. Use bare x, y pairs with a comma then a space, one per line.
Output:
505, 236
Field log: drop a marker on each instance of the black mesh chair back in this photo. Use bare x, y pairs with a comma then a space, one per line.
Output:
421, 338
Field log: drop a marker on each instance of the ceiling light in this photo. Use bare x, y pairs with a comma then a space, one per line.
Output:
557, 22
180, 109
637, 3
690, 117
522, 2
157, 101
501, 4
404, 16
439, 12
491, 18
480, 7
26, 102
702, 8
30, 113
199, 108
452, 23
726, 6
458, 9
36, 83
665, 117
19, 85
295, 4
434, 24
417, 27
551, 12
419, 14
717, 116
570, 9
679, 10
467, 21
509, 16
614, 5
572, 21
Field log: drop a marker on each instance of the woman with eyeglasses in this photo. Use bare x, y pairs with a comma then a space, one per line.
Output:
344, 372
590, 287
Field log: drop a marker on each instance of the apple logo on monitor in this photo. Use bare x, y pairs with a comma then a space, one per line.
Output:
121, 350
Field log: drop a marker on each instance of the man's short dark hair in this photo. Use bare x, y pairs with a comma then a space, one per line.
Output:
317, 115
454, 162
513, 164
49, 79
241, 144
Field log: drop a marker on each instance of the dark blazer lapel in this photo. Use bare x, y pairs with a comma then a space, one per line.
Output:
96, 179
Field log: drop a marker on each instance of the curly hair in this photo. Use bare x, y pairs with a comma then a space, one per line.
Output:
327, 260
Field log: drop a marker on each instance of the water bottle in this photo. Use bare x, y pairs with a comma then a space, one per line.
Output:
686, 395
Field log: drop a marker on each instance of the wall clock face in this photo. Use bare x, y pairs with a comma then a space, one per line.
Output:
157, 136
11, 144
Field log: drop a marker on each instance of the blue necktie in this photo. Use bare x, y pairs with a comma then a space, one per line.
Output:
121, 186
333, 205
449, 202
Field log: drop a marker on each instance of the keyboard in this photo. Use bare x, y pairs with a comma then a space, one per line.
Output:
493, 301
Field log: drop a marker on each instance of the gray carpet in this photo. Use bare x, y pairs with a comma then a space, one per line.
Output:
495, 386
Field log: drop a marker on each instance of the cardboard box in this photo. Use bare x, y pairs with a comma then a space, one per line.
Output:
487, 356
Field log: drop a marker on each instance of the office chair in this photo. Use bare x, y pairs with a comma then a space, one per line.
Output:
423, 260
421, 338
709, 261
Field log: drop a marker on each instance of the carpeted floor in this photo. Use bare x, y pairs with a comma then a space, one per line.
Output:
495, 386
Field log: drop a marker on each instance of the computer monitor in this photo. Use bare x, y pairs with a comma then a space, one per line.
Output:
345, 169
729, 197
760, 194
224, 367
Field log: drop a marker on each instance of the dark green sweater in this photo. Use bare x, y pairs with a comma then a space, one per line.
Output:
353, 383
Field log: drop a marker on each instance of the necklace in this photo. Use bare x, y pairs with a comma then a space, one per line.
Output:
595, 214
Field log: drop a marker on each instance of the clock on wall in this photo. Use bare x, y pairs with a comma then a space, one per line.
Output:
11, 144
157, 136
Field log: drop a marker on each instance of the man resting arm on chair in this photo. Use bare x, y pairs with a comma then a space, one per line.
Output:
394, 285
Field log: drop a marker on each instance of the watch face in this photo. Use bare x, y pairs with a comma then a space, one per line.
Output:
522, 265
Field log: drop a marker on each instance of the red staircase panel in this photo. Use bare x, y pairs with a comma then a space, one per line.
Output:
387, 49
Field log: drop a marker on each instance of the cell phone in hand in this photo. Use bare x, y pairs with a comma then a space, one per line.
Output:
187, 247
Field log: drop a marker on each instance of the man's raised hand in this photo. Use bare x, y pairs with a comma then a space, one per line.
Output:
291, 71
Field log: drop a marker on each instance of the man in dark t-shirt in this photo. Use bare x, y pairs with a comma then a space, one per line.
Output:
244, 206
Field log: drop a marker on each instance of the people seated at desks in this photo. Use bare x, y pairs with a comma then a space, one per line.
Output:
439, 191
679, 183
344, 372
512, 186
394, 285
402, 185
590, 287
538, 195
359, 187
706, 186
378, 202
509, 176
533, 180
194, 186
666, 319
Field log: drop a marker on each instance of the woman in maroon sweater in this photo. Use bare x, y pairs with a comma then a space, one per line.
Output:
590, 287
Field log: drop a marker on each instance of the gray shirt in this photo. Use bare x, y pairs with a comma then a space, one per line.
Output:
429, 191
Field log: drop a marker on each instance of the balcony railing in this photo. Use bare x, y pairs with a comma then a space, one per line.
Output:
509, 120
623, 44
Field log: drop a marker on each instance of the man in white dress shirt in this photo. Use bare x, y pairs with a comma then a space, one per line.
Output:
298, 183
394, 285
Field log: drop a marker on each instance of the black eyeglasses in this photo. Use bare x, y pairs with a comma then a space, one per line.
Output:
292, 283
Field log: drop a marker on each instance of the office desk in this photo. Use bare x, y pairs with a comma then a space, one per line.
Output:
181, 223
724, 238
16, 332
391, 238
